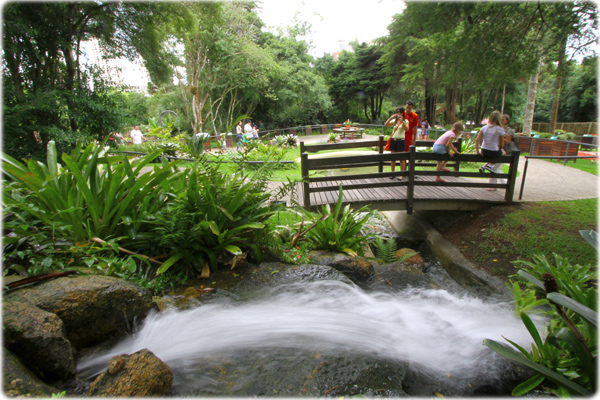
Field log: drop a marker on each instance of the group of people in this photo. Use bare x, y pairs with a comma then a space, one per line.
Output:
245, 133
493, 140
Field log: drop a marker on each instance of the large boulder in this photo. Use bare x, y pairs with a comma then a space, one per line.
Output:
357, 269
141, 374
93, 308
401, 275
38, 338
19, 381
291, 372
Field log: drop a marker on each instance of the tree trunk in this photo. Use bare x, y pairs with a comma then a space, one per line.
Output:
531, 95
451, 104
429, 102
558, 84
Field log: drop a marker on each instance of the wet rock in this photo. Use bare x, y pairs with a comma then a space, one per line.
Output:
38, 338
141, 374
19, 381
410, 256
92, 307
292, 372
272, 274
357, 269
400, 275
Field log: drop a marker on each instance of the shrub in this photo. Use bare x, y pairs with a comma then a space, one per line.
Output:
565, 359
340, 233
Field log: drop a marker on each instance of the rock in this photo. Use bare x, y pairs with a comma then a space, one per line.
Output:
18, 381
92, 307
359, 270
39, 339
410, 256
141, 374
272, 274
292, 372
400, 276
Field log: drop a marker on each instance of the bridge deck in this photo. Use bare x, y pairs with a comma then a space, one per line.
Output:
418, 190
392, 194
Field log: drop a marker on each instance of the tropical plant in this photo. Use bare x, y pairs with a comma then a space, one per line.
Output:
574, 281
332, 136
567, 355
194, 145
92, 195
340, 233
386, 249
213, 216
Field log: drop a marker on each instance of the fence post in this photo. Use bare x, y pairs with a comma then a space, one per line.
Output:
457, 162
380, 152
410, 190
305, 183
301, 146
512, 176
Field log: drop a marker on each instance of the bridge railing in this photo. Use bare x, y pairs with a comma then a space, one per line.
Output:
425, 159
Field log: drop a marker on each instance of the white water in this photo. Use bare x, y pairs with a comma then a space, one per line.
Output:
433, 329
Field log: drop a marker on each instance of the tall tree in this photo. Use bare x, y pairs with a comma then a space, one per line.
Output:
49, 91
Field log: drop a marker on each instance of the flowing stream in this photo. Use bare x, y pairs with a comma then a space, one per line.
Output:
432, 329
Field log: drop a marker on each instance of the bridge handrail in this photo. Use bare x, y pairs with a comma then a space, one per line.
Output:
312, 164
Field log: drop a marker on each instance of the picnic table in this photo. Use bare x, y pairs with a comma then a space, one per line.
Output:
353, 131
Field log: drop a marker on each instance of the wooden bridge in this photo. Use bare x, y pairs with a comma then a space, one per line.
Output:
417, 191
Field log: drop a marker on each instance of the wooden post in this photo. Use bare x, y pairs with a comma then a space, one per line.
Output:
305, 183
512, 176
381, 152
410, 190
459, 148
302, 147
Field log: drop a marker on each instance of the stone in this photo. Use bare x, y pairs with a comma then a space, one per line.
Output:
357, 269
19, 381
410, 256
140, 374
93, 308
400, 275
39, 339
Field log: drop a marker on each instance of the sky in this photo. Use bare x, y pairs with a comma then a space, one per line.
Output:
333, 20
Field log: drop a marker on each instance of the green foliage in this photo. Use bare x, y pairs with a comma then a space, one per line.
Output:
340, 233
92, 195
288, 140
567, 355
386, 250
573, 280
213, 215
194, 145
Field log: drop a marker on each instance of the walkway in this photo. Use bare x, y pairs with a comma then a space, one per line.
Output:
545, 180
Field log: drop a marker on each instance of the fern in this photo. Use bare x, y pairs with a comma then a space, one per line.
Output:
386, 250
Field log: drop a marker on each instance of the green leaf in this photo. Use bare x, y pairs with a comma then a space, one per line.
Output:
585, 312
528, 385
167, 264
233, 249
546, 372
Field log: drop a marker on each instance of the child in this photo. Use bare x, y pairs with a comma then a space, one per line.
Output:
490, 139
444, 146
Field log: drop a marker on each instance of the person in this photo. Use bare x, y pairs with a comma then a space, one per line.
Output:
413, 122
261, 126
248, 130
398, 144
238, 131
444, 145
136, 135
425, 127
254, 131
490, 139
508, 146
